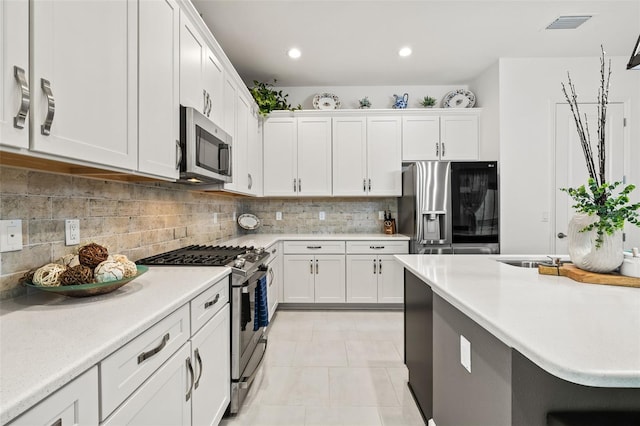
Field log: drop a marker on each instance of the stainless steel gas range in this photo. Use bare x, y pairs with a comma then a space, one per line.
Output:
248, 346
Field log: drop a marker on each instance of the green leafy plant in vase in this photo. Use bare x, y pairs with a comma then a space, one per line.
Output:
428, 102
269, 99
595, 232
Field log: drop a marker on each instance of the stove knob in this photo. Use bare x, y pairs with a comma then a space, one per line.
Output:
239, 263
259, 250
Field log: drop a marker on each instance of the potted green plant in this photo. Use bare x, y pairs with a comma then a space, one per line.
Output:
428, 102
595, 232
269, 99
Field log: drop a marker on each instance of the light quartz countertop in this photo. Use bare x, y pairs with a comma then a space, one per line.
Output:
587, 334
47, 340
265, 240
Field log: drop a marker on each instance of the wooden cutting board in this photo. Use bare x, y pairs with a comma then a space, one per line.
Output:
577, 274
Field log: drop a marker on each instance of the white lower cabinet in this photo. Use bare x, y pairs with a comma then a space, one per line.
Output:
274, 278
314, 279
75, 404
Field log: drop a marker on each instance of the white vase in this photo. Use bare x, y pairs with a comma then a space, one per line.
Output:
582, 246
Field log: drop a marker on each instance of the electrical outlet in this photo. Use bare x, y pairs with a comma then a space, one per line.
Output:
465, 353
321, 216
215, 218
381, 215
72, 231
10, 235
234, 216
545, 216
278, 215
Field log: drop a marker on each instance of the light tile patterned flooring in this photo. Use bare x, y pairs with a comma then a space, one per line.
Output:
326, 368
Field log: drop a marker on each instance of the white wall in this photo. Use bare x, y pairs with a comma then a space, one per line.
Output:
486, 87
529, 88
379, 96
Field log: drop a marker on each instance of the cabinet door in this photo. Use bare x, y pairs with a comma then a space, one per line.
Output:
159, 80
459, 137
192, 57
314, 156
274, 281
229, 99
384, 156
74, 404
420, 138
240, 147
362, 275
87, 52
298, 279
390, 280
213, 80
349, 156
212, 363
255, 154
280, 157
14, 39
329, 278
162, 399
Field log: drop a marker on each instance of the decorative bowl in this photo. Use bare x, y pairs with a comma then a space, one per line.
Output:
90, 289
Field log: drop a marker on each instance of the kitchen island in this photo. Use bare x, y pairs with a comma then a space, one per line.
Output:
536, 344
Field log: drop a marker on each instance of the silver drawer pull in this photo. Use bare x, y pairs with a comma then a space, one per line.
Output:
314, 247
146, 355
45, 128
190, 368
210, 303
376, 247
25, 100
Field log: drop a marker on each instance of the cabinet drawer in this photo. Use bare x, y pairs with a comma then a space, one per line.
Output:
127, 368
314, 247
208, 303
377, 247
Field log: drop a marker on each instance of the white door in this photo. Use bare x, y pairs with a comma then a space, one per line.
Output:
571, 169
349, 156
84, 81
362, 278
299, 279
163, 400
384, 156
459, 137
159, 90
280, 157
390, 280
329, 278
420, 137
213, 80
212, 363
192, 56
15, 85
314, 156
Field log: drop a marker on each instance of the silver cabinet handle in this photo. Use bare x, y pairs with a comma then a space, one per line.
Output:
299, 185
369, 184
25, 100
374, 266
437, 149
443, 149
380, 266
294, 186
178, 155
209, 103
317, 267
311, 266
45, 129
190, 368
204, 102
376, 247
250, 181
273, 251
364, 185
562, 235
210, 303
197, 354
314, 247
146, 355
271, 277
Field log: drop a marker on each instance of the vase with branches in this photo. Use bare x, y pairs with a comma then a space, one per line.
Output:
606, 206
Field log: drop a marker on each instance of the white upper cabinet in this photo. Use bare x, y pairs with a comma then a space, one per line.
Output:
255, 154
229, 98
240, 147
367, 156
440, 137
84, 81
213, 83
159, 90
297, 156
14, 62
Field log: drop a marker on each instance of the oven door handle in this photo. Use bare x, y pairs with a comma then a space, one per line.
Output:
245, 382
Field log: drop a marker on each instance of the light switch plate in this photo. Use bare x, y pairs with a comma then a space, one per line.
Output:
10, 235
381, 215
72, 232
321, 216
465, 353
278, 215
215, 218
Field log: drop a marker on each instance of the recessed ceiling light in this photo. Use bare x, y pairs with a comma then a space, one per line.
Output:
405, 51
294, 53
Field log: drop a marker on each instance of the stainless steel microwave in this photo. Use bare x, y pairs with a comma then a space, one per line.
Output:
205, 149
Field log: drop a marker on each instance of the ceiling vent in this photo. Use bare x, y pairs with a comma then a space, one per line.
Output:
568, 22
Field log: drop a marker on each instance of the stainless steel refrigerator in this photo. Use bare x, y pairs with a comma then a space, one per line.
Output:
450, 207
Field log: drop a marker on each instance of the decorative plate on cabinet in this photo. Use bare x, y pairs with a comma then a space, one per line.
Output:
326, 101
460, 98
248, 221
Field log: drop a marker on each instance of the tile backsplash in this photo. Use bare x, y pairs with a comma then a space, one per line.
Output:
142, 219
